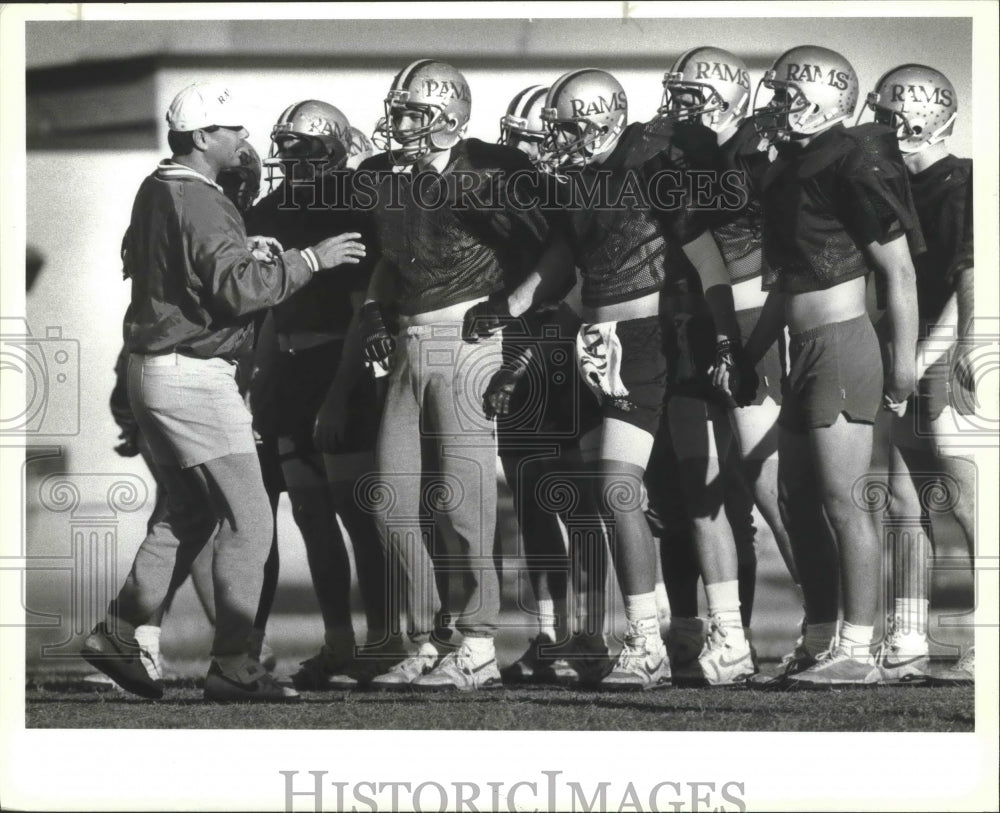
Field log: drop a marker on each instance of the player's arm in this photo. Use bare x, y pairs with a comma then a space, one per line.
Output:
548, 280
732, 372
894, 261
768, 328
331, 419
376, 340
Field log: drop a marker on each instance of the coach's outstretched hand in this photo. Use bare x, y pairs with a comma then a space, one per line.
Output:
486, 318
377, 342
343, 249
734, 373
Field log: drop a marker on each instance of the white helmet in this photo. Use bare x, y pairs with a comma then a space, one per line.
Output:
916, 101
707, 83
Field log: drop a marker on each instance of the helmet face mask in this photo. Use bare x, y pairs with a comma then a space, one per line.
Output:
306, 136
916, 101
812, 89
585, 113
706, 84
426, 111
522, 127
242, 184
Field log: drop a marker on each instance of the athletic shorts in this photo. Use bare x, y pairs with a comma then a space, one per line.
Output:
771, 368
643, 372
302, 379
835, 368
189, 410
941, 387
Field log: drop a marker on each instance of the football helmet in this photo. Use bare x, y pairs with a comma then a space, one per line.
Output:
523, 120
427, 110
359, 149
916, 101
812, 89
709, 83
309, 130
585, 113
242, 184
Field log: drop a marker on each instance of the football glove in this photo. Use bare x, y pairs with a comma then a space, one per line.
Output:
377, 342
743, 379
500, 389
486, 318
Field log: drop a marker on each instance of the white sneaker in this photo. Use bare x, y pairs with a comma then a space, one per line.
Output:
837, 668
904, 658
458, 671
642, 664
401, 676
727, 659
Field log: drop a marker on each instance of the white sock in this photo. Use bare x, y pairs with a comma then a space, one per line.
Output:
662, 602
427, 650
547, 617
148, 637
819, 636
909, 614
640, 607
481, 647
724, 604
856, 640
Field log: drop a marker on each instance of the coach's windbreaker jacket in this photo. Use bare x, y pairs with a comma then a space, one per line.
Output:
194, 282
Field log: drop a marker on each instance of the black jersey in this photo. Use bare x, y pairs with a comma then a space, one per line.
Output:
639, 203
740, 235
942, 194
299, 215
453, 236
825, 202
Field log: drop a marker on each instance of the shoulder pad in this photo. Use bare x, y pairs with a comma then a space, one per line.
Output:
377, 163
482, 155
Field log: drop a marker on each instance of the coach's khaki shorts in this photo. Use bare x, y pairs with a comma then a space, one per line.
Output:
189, 410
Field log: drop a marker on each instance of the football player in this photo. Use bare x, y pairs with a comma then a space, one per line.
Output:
709, 88
835, 204
440, 252
920, 104
620, 246
309, 148
541, 408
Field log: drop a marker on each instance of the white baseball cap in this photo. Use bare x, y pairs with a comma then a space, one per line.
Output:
204, 104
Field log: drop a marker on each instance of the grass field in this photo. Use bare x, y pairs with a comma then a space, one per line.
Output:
57, 697
67, 702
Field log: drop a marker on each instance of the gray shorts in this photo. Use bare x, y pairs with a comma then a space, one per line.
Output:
189, 410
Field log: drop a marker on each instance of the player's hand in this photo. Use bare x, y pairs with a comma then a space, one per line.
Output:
485, 318
899, 385
377, 343
733, 373
262, 245
129, 446
330, 427
343, 249
891, 406
496, 399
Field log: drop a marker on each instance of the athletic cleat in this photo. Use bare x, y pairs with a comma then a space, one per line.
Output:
401, 676
536, 665
458, 672
642, 665
325, 671
963, 673
798, 660
901, 664
725, 660
685, 640
121, 660
254, 685
837, 669
586, 662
